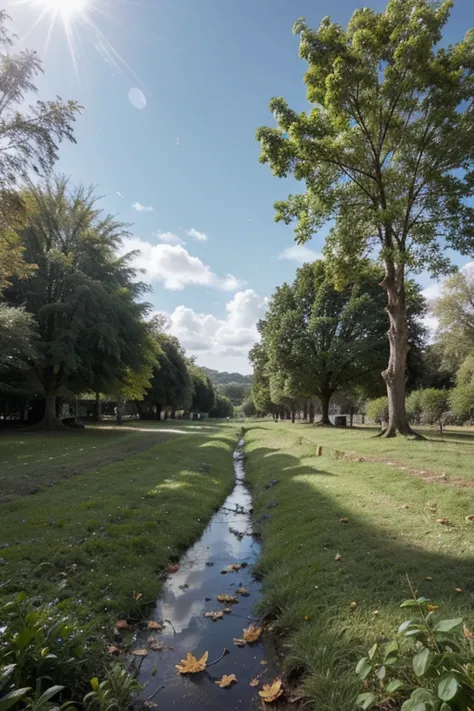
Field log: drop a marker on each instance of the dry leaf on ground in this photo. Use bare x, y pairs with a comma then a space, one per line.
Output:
113, 650
152, 625
242, 591
344, 519
428, 577
239, 642
173, 567
254, 681
271, 692
470, 517
458, 590
215, 615
228, 599
338, 556
140, 652
122, 625
353, 605
443, 521
192, 665
226, 681
252, 633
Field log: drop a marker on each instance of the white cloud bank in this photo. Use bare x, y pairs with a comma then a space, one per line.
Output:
168, 237
219, 342
142, 208
174, 266
199, 236
299, 254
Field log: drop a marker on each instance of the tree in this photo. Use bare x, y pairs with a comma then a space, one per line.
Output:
414, 406
17, 344
377, 410
462, 396
326, 339
435, 405
204, 397
248, 407
82, 296
386, 153
455, 314
222, 408
236, 392
171, 385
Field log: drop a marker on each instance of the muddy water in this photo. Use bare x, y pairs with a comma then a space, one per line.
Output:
191, 592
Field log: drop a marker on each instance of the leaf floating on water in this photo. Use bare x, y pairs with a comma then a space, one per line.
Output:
215, 615
263, 662
173, 568
113, 651
227, 610
271, 692
254, 681
252, 633
140, 652
152, 625
192, 665
122, 625
239, 642
150, 704
226, 681
242, 591
228, 599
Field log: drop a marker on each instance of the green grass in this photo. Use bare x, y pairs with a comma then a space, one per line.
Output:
100, 542
392, 531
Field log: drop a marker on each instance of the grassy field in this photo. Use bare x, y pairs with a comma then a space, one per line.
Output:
100, 542
330, 611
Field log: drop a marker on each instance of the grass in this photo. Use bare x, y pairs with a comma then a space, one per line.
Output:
392, 531
101, 541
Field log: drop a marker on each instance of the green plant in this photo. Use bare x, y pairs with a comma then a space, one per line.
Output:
114, 693
377, 410
429, 664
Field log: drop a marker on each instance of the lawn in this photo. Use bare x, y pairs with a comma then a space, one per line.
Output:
100, 542
329, 611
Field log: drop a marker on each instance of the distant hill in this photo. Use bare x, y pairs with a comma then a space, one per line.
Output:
218, 378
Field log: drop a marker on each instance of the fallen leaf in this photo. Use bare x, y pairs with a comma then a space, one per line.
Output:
150, 704
233, 568
242, 591
467, 632
252, 633
137, 596
192, 665
215, 615
432, 608
173, 568
152, 625
140, 652
263, 662
226, 681
254, 681
353, 605
122, 625
239, 642
443, 521
228, 599
113, 650
344, 519
376, 612
458, 590
338, 556
227, 610
470, 517
428, 577
271, 692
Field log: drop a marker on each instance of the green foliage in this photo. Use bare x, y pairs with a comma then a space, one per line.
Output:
222, 408
414, 406
114, 693
455, 316
204, 397
429, 665
17, 348
435, 406
377, 410
235, 392
248, 407
171, 385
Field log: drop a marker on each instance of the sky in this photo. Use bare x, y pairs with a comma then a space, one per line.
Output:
173, 92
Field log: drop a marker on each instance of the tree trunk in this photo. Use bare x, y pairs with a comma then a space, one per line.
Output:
325, 400
98, 405
158, 411
311, 413
50, 421
305, 411
394, 375
293, 414
173, 414
119, 414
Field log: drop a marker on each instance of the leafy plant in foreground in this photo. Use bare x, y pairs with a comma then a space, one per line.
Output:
114, 693
429, 665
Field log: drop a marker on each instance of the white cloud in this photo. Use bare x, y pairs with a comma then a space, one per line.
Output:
200, 236
232, 337
433, 291
299, 254
174, 266
168, 237
142, 208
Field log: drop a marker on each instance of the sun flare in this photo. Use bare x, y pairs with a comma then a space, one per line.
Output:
65, 8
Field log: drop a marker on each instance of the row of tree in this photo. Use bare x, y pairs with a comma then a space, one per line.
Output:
385, 155
73, 314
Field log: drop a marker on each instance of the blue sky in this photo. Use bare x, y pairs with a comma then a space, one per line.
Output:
174, 91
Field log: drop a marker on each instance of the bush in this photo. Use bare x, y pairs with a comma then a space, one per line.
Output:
428, 665
248, 408
377, 410
435, 406
414, 406
222, 408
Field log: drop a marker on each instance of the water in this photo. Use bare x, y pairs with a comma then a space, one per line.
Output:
191, 592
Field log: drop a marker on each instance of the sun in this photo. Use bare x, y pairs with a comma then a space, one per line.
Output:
65, 8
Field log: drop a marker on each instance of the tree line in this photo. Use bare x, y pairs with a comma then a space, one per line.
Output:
74, 318
385, 154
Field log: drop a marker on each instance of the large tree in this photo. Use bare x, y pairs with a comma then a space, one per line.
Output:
204, 396
171, 386
83, 297
454, 311
386, 152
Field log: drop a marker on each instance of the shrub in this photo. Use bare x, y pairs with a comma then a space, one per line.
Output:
435, 406
377, 410
414, 406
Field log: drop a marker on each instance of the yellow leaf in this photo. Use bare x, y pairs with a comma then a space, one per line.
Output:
122, 625
467, 632
239, 642
150, 704
215, 615
428, 577
228, 599
95, 683
432, 608
137, 596
353, 605
344, 519
140, 652
227, 610
227, 680
470, 517
252, 633
458, 590
113, 650
271, 692
152, 625
443, 521
263, 662
254, 681
338, 556
192, 665
242, 591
